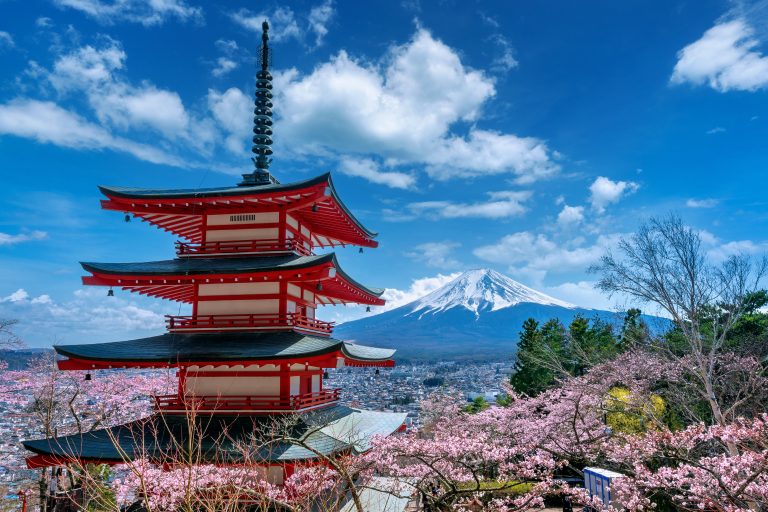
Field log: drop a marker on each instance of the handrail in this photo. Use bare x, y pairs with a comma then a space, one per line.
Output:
246, 402
240, 246
247, 321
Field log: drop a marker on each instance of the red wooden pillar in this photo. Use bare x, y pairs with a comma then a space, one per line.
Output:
285, 382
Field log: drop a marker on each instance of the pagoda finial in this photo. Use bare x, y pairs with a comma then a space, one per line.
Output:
262, 119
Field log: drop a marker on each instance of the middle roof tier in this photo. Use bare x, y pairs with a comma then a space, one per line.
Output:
315, 280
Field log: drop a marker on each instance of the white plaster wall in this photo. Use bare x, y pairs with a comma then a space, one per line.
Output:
233, 386
237, 307
238, 288
219, 235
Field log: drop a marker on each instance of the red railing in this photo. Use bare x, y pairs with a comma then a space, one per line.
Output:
246, 322
243, 246
245, 403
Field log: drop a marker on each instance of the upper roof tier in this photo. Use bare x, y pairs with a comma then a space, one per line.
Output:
314, 203
176, 279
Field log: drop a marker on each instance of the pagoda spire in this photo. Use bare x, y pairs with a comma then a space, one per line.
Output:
262, 119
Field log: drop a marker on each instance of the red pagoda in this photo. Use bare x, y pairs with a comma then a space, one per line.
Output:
252, 348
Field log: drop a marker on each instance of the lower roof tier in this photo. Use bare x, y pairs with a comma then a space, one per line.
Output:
222, 439
176, 279
219, 349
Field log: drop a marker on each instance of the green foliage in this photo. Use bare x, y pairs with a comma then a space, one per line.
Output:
551, 351
477, 405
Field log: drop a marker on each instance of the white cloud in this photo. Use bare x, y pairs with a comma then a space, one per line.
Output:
17, 296
570, 215
86, 312
436, 254
146, 12
231, 110
604, 191
6, 40
403, 109
6, 239
319, 17
369, 170
702, 203
223, 66
532, 257
721, 252
725, 58
716, 130
115, 101
282, 23
43, 22
581, 293
46, 122
501, 204
505, 60
419, 288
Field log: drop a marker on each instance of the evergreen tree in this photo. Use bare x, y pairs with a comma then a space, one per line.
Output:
540, 356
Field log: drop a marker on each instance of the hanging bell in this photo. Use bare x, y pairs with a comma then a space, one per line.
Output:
360, 251
325, 375
377, 372
314, 208
367, 309
127, 218
110, 292
319, 287
87, 376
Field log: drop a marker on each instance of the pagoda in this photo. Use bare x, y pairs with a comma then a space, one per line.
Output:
252, 349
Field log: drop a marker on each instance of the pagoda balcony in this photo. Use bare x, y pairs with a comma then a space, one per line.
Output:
252, 403
238, 247
248, 322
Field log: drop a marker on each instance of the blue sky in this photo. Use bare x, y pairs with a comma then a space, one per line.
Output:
527, 137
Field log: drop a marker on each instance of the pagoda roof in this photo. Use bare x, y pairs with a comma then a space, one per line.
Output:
185, 349
142, 276
329, 430
180, 211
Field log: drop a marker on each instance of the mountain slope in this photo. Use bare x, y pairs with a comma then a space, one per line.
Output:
476, 316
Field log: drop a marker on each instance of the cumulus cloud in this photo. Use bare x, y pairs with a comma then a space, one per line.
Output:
46, 122
318, 18
368, 169
570, 215
230, 110
282, 23
725, 58
702, 203
87, 311
501, 204
146, 12
6, 40
533, 256
7, 239
436, 254
223, 66
419, 288
404, 109
604, 191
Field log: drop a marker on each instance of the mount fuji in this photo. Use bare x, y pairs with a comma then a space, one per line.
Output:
478, 315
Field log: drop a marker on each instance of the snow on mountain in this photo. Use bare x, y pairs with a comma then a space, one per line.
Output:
476, 316
481, 290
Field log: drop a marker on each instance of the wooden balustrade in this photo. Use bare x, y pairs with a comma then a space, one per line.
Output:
185, 249
244, 322
253, 403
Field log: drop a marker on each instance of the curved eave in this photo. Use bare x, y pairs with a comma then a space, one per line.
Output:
327, 431
174, 279
221, 349
180, 211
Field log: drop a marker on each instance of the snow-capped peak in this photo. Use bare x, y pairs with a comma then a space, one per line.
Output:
482, 290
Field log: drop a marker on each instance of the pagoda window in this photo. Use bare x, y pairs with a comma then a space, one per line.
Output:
240, 218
